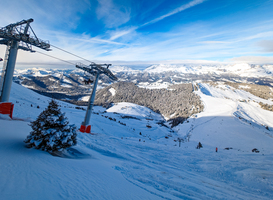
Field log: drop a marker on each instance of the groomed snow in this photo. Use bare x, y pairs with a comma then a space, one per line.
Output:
126, 159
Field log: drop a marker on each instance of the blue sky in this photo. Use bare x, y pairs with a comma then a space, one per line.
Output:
148, 31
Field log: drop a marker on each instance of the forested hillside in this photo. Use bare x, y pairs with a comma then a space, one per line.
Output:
176, 103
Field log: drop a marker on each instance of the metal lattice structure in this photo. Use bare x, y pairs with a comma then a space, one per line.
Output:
16, 36
96, 70
24, 34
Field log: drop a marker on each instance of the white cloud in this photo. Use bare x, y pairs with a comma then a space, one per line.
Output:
112, 15
95, 40
120, 33
253, 59
213, 42
201, 40
47, 15
256, 36
266, 45
175, 11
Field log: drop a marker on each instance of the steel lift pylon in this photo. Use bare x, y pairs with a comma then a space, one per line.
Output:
15, 36
96, 70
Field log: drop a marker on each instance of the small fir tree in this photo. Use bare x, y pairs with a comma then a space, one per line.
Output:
51, 131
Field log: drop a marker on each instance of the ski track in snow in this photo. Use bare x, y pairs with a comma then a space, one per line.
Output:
126, 165
179, 176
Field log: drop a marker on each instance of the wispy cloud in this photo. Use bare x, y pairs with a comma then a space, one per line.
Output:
120, 33
175, 11
213, 42
54, 14
115, 33
61, 37
96, 40
112, 15
256, 36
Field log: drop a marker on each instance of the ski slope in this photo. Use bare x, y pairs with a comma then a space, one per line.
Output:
132, 156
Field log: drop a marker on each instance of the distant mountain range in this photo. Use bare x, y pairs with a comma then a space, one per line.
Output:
134, 86
244, 69
69, 84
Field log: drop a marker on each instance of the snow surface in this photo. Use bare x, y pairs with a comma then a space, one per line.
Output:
85, 98
125, 159
65, 80
66, 85
156, 85
113, 91
134, 110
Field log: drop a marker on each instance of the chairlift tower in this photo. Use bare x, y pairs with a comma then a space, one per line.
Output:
16, 36
96, 70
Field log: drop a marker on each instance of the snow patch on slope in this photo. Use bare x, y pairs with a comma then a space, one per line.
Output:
85, 98
66, 85
156, 85
135, 110
113, 91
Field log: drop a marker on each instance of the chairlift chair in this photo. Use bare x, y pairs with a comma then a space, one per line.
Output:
87, 82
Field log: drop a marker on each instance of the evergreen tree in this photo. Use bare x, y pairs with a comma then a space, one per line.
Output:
50, 131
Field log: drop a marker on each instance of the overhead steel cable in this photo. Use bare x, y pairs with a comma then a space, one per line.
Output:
56, 58
72, 54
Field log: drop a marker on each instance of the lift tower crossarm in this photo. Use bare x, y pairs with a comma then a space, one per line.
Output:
97, 68
19, 23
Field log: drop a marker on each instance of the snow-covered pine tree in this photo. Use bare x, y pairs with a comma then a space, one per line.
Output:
51, 131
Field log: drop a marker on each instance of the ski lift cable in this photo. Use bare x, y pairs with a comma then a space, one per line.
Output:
59, 60
56, 58
72, 54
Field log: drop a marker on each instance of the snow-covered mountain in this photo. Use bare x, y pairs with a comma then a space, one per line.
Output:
68, 84
243, 69
134, 154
